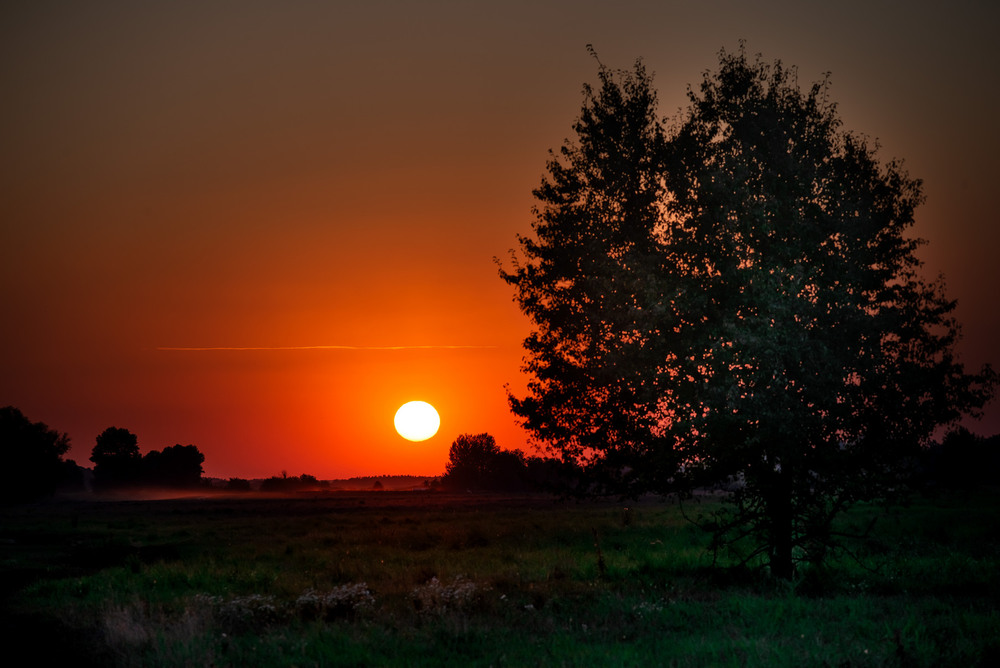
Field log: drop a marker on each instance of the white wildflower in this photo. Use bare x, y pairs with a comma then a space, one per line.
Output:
437, 596
338, 602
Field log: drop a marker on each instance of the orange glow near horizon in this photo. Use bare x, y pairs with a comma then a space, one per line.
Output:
328, 412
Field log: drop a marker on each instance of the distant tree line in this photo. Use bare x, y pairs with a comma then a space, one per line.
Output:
238, 485
386, 481
286, 483
306, 482
32, 454
33, 457
118, 463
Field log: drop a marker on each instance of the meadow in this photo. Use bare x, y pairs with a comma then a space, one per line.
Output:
429, 579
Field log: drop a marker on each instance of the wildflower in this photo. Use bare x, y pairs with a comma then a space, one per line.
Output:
341, 601
437, 596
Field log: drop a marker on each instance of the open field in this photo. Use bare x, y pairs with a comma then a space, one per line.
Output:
421, 579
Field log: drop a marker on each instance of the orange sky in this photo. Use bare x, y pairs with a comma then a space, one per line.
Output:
284, 175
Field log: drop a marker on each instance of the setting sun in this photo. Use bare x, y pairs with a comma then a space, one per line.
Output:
417, 421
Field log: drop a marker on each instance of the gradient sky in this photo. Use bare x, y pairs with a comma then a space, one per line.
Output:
324, 185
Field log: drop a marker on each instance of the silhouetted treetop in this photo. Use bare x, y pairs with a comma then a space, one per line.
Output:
32, 456
476, 462
175, 466
116, 458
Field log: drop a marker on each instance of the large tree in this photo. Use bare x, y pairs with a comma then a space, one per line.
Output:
746, 305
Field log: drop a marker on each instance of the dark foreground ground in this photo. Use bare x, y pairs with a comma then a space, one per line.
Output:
426, 578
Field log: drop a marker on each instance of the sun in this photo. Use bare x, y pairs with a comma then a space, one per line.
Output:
417, 421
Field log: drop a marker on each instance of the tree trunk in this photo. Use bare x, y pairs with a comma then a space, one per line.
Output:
779, 517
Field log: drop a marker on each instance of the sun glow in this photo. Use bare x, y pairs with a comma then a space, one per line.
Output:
417, 421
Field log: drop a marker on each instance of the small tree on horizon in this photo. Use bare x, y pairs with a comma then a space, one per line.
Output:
469, 460
476, 462
116, 458
175, 466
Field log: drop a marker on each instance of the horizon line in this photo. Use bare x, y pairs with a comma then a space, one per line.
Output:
253, 348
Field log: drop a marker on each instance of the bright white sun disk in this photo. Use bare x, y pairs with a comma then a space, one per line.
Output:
417, 421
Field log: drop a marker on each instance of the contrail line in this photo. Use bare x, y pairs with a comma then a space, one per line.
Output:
211, 348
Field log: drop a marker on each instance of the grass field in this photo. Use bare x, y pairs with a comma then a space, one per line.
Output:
427, 579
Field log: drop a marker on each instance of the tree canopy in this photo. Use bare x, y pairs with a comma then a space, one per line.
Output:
116, 457
591, 282
32, 455
118, 462
174, 466
476, 462
736, 299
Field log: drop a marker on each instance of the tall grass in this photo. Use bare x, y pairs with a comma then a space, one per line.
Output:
414, 580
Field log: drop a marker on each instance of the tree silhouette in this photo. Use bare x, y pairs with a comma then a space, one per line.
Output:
32, 456
821, 359
738, 300
175, 466
116, 458
469, 460
238, 485
593, 284
286, 483
962, 460
475, 461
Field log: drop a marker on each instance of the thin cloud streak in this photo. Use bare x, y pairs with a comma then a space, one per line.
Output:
251, 348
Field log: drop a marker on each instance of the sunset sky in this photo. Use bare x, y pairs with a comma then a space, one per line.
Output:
261, 227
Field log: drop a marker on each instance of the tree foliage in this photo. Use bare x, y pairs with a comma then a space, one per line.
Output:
476, 462
118, 462
592, 284
286, 483
32, 455
238, 485
176, 466
821, 359
737, 298
116, 458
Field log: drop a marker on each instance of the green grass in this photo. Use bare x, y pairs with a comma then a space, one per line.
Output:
427, 579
